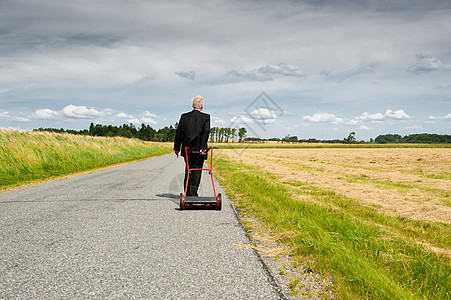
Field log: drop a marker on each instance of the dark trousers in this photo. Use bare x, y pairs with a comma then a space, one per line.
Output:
196, 161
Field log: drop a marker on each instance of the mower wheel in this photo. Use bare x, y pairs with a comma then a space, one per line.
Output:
219, 203
181, 201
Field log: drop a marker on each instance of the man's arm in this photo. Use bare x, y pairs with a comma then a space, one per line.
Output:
205, 134
178, 138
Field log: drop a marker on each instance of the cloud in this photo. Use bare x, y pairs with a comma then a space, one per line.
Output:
447, 117
188, 75
217, 121
428, 64
127, 118
148, 117
415, 127
396, 115
82, 112
7, 116
241, 120
45, 114
321, 117
340, 76
366, 117
282, 69
270, 72
263, 115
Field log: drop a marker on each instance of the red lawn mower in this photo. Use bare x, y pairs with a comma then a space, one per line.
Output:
200, 202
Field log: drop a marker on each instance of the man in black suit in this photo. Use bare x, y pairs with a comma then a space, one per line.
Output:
193, 131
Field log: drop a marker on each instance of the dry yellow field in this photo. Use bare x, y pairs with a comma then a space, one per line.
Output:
377, 220
411, 182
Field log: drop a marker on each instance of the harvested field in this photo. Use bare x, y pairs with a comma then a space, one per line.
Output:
368, 223
410, 182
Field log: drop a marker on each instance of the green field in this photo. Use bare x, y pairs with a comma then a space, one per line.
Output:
34, 156
372, 251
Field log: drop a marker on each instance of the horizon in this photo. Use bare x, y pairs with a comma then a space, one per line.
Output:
231, 139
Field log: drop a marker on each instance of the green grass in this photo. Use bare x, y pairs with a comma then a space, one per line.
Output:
34, 156
369, 255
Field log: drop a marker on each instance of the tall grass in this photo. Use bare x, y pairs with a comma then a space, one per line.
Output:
367, 259
32, 156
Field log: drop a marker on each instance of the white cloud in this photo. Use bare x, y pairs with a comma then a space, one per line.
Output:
7, 116
241, 120
127, 118
320, 117
148, 117
366, 117
134, 121
45, 114
82, 112
263, 115
447, 117
396, 115
124, 116
217, 121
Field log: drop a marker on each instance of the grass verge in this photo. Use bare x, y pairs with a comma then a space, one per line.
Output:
34, 156
369, 255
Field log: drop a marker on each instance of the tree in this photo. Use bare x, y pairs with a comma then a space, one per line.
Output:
233, 133
242, 133
350, 138
213, 133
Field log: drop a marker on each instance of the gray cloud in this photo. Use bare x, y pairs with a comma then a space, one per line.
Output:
270, 72
340, 76
188, 75
427, 64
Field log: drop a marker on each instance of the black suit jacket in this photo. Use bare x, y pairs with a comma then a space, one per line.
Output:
192, 131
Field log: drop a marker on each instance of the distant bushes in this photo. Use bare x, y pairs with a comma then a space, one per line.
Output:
422, 138
145, 132
225, 135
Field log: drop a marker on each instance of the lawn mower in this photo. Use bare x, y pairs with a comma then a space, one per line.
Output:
200, 202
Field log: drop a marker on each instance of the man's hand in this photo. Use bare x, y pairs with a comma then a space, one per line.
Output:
176, 153
203, 151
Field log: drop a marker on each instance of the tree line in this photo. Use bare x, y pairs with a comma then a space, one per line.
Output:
225, 135
421, 138
145, 132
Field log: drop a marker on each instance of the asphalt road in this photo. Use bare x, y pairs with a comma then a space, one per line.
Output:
119, 233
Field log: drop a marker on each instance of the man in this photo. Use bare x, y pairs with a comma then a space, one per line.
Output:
193, 131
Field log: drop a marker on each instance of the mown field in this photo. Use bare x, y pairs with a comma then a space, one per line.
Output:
366, 223
34, 156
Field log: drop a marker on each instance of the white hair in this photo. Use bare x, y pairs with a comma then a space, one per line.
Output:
198, 102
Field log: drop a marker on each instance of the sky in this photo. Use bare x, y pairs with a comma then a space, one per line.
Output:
311, 69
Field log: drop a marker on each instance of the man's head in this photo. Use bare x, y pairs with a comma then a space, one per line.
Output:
198, 102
